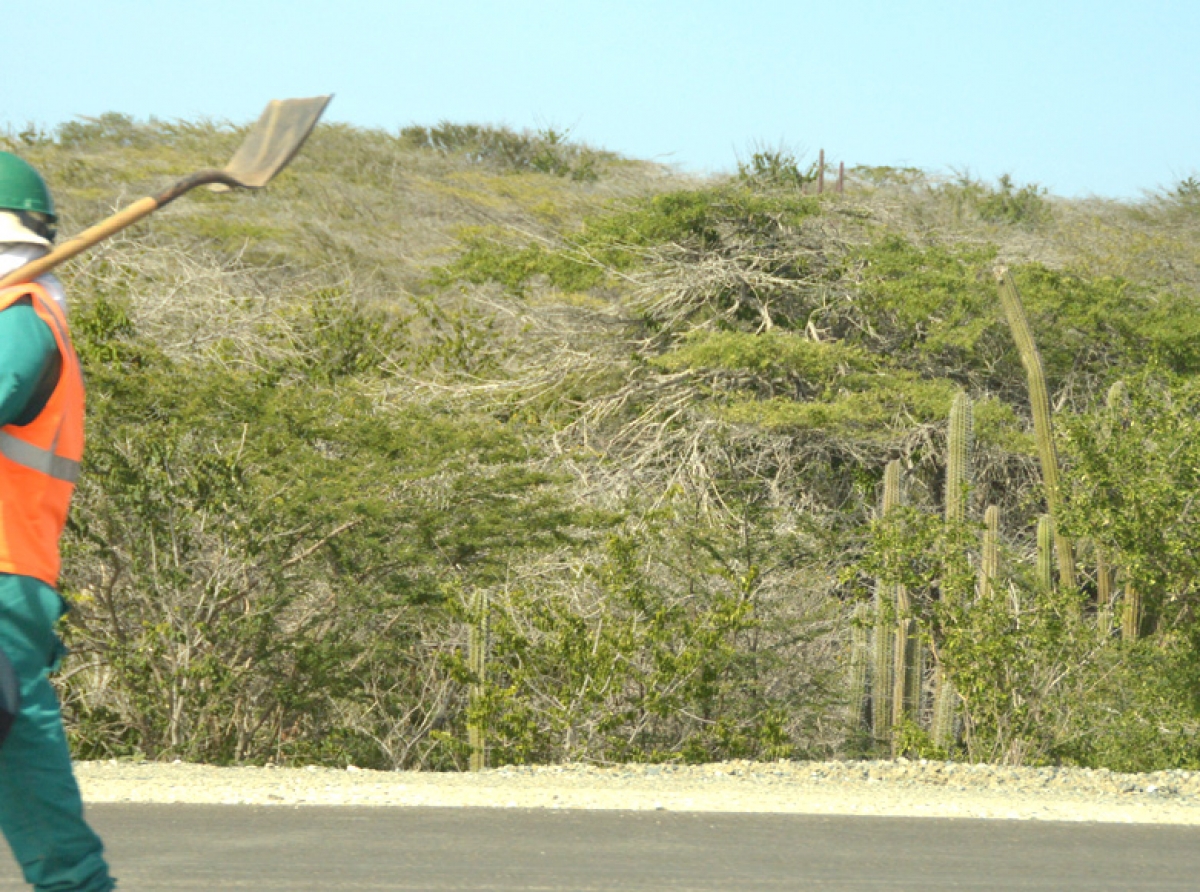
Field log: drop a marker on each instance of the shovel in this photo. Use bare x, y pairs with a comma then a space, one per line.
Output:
267, 149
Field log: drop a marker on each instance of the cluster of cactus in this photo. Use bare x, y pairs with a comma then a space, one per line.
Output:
889, 687
892, 692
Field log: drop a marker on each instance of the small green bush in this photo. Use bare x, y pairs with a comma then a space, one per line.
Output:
546, 151
700, 218
773, 168
1186, 192
864, 407
885, 176
487, 257
773, 353
1005, 203
618, 241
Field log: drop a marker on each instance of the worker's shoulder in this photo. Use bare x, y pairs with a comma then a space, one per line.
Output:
22, 330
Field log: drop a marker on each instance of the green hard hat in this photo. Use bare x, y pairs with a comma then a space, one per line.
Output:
22, 188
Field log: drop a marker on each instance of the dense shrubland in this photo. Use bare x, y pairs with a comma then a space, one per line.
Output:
466, 434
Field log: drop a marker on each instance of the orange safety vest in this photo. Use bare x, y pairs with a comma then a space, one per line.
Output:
39, 461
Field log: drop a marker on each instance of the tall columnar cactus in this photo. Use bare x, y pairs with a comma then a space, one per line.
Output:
959, 441
893, 496
886, 608
477, 653
958, 458
1131, 612
1039, 399
1104, 591
1045, 553
881, 672
1131, 603
1115, 401
909, 670
860, 653
989, 567
945, 703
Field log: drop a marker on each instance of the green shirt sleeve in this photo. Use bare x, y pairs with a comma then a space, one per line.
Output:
28, 355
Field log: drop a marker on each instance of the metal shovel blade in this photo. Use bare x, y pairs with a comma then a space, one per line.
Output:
268, 147
272, 142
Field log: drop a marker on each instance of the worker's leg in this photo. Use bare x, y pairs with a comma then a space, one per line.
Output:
41, 813
10, 696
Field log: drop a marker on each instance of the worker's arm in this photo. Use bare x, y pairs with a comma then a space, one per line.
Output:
29, 364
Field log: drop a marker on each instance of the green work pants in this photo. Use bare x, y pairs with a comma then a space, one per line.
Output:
41, 813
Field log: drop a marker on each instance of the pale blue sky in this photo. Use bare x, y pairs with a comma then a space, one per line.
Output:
1094, 97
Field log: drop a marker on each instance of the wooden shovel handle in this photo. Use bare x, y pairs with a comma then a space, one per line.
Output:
114, 224
81, 242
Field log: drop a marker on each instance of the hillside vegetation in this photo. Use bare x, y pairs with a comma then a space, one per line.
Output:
460, 444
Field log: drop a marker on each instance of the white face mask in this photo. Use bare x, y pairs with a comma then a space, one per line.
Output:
13, 228
14, 256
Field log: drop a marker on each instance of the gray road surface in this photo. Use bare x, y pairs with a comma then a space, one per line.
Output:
211, 847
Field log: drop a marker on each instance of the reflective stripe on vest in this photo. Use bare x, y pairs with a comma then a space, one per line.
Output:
57, 466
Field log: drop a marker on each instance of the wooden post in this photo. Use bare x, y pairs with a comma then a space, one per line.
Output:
821, 173
841, 184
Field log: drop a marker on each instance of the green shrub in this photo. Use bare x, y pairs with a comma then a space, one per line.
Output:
257, 555
933, 307
773, 353
487, 258
867, 407
1131, 487
884, 176
1042, 677
698, 218
647, 658
546, 151
773, 168
618, 241
1186, 192
1005, 203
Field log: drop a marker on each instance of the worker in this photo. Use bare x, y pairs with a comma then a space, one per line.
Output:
41, 445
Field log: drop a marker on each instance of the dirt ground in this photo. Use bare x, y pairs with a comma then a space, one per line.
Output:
896, 788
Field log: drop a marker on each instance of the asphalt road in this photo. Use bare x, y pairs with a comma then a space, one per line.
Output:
212, 847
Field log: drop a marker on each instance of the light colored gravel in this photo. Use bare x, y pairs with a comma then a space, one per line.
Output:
900, 787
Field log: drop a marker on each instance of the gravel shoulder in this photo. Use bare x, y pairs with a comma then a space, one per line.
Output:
882, 788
